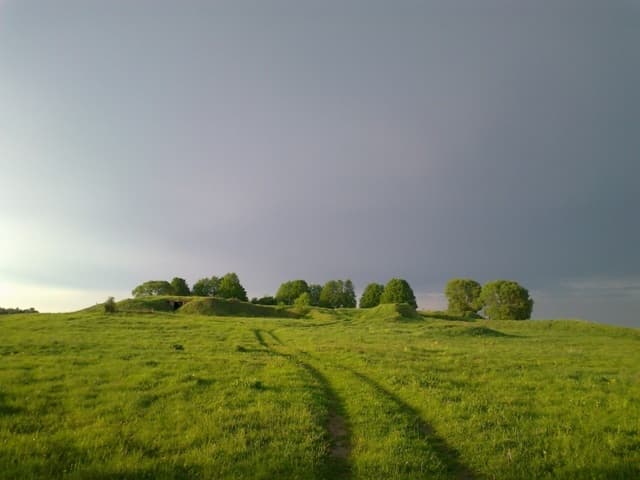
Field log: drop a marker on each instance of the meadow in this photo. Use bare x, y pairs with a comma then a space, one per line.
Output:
227, 390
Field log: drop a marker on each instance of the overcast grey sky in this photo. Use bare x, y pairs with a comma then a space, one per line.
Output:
294, 139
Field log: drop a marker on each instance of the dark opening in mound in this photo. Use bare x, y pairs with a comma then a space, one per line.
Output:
175, 305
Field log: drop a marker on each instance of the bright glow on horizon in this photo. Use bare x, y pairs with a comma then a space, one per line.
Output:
52, 299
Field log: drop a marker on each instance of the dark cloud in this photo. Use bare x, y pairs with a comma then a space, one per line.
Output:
318, 140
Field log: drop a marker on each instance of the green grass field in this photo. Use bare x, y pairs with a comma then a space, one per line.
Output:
378, 394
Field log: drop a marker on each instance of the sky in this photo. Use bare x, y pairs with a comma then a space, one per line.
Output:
362, 139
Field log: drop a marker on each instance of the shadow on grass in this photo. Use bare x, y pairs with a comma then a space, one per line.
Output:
337, 426
258, 334
486, 332
472, 331
160, 472
338, 465
326, 324
449, 455
439, 315
274, 337
615, 472
6, 410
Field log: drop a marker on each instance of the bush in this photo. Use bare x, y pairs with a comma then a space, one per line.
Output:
398, 290
110, 305
506, 300
463, 295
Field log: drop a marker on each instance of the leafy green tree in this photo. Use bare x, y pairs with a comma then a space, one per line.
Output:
206, 287
398, 290
337, 293
330, 295
153, 287
290, 291
463, 295
506, 300
304, 300
180, 287
371, 295
348, 294
230, 287
314, 293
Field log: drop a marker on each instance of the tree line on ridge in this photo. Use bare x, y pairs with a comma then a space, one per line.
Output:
498, 299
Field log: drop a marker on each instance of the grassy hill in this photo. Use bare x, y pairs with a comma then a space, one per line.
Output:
353, 394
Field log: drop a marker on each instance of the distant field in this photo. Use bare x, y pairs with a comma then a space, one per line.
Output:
352, 394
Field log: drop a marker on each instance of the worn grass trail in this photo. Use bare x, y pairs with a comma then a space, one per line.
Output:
353, 400
338, 434
485, 399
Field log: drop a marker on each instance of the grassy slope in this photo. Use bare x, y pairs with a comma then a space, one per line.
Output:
163, 395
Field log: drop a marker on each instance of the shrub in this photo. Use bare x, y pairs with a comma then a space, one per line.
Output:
110, 305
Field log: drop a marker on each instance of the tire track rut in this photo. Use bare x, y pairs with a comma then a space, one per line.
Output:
336, 423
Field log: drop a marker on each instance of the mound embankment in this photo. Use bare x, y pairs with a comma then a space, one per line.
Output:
391, 311
153, 304
234, 308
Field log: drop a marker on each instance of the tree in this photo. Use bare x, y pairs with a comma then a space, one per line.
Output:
10, 311
206, 287
230, 287
304, 300
506, 300
289, 291
398, 290
180, 287
153, 287
371, 295
110, 305
348, 294
330, 294
463, 295
314, 293
337, 293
